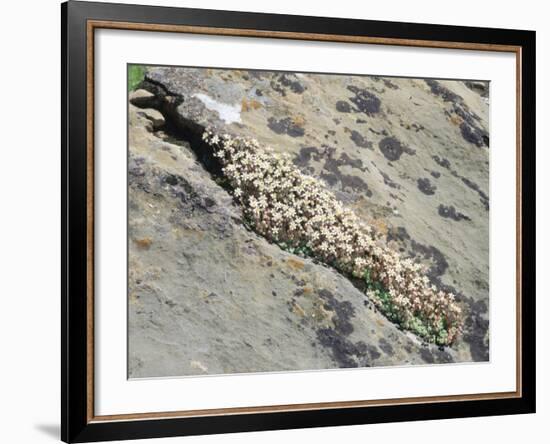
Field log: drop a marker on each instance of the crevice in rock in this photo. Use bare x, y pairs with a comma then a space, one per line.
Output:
180, 128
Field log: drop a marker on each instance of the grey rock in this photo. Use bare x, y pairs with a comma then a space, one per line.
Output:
370, 139
155, 117
208, 296
142, 98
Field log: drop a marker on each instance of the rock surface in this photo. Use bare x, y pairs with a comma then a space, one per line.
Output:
142, 98
154, 117
208, 296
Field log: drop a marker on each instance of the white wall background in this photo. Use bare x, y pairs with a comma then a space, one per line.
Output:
30, 208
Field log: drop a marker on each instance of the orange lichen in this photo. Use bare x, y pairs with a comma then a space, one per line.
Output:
249, 105
296, 264
297, 309
144, 243
455, 120
299, 121
380, 225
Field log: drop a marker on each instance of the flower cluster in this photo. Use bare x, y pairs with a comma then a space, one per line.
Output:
297, 212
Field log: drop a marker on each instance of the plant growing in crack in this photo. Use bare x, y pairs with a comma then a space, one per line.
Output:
301, 215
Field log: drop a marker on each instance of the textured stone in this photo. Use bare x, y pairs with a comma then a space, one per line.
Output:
153, 116
142, 98
206, 295
371, 140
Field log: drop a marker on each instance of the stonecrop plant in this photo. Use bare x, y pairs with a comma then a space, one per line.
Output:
301, 215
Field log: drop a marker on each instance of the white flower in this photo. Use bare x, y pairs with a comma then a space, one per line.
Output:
360, 262
275, 194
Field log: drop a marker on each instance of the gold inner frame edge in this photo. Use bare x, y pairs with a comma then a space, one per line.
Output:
235, 32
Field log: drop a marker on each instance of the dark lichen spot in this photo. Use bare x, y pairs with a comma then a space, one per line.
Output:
481, 285
473, 135
171, 179
331, 168
304, 157
332, 174
399, 234
389, 84
364, 101
470, 128
425, 252
442, 162
439, 263
349, 161
417, 127
135, 166
439, 90
385, 346
344, 352
360, 140
450, 212
180, 187
435, 174
343, 106
373, 352
426, 186
479, 307
443, 356
484, 199
290, 81
208, 202
391, 148
476, 335
285, 82
465, 114
389, 182
355, 183
427, 356
482, 88
329, 178
343, 312
285, 126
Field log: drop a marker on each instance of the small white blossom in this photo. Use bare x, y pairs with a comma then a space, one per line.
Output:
288, 206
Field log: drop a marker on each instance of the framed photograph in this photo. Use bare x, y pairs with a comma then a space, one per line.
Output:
275, 221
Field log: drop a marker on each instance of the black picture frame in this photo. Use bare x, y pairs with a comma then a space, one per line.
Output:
77, 425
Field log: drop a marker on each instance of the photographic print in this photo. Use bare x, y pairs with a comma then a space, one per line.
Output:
293, 221
273, 221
